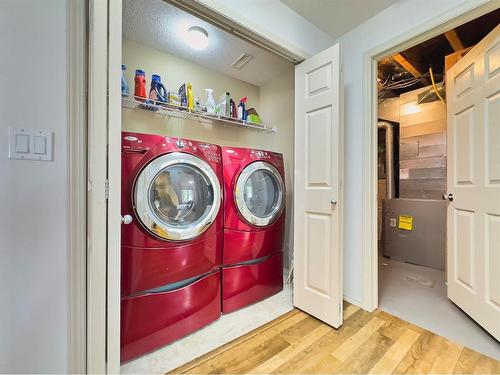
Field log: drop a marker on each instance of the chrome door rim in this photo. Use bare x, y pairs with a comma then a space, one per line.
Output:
240, 199
146, 214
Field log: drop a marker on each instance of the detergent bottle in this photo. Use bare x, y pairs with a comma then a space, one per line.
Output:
140, 85
242, 113
157, 93
125, 89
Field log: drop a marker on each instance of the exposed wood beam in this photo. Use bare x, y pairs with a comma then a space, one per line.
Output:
409, 67
454, 40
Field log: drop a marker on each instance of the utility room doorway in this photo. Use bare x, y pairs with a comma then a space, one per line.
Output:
426, 154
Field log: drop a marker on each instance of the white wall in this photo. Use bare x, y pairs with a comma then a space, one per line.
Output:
402, 17
33, 215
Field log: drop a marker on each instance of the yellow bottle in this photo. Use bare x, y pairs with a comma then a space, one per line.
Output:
190, 99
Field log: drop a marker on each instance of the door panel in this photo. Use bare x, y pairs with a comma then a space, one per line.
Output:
473, 92
463, 142
464, 81
318, 258
493, 258
318, 166
464, 265
317, 145
493, 61
492, 137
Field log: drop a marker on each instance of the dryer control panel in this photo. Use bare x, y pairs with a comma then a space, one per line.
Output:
211, 152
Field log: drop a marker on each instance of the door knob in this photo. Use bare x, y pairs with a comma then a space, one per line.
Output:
448, 197
333, 201
126, 219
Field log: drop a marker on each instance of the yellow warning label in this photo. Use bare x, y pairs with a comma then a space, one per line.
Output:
405, 222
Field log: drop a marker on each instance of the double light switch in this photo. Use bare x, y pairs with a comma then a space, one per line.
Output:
30, 144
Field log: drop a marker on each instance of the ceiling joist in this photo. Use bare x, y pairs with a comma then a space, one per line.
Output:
454, 40
410, 68
407, 65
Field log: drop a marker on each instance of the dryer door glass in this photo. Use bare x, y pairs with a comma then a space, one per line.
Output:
260, 193
180, 195
177, 196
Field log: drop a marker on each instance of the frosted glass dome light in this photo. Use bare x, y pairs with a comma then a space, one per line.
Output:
197, 38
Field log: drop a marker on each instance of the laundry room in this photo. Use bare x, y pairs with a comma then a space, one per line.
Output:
207, 172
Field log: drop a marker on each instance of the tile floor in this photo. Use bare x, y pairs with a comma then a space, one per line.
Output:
418, 294
224, 330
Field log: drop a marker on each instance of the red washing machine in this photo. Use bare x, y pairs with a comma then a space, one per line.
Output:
254, 224
172, 241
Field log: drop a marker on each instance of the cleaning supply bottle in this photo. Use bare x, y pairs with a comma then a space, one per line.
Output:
234, 111
140, 85
210, 104
242, 113
158, 93
125, 89
183, 95
190, 98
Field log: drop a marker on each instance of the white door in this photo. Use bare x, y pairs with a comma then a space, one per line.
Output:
473, 95
318, 173
104, 187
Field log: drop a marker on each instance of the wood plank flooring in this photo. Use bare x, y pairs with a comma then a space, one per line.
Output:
375, 343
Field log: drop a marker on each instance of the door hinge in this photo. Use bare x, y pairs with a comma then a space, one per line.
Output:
106, 189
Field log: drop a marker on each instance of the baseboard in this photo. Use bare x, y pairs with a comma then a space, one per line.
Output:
353, 302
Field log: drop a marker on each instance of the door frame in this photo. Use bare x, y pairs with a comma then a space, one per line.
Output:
437, 25
77, 48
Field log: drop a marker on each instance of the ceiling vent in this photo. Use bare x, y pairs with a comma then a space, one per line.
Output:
241, 61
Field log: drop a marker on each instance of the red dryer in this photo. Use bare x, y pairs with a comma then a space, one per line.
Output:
172, 241
254, 219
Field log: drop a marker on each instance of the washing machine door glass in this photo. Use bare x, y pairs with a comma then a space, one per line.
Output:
177, 196
259, 193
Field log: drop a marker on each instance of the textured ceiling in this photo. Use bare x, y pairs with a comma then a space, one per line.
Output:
336, 17
161, 26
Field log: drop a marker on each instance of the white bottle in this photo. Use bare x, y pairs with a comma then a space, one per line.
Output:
210, 104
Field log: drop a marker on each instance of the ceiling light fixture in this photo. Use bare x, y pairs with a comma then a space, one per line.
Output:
197, 38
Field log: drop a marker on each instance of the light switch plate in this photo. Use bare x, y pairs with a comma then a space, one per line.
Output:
30, 144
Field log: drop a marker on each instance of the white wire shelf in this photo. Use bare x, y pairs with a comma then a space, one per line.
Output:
171, 110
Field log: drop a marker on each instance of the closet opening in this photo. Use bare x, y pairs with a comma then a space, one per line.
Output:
207, 172
422, 154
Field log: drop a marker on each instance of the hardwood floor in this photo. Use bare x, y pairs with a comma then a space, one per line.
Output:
375, 343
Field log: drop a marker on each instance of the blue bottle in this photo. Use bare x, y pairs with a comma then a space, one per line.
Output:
125, 89
158, 93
